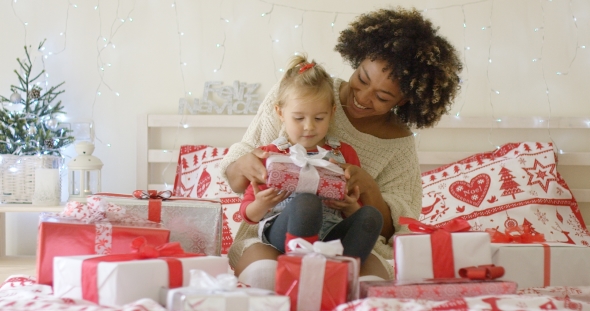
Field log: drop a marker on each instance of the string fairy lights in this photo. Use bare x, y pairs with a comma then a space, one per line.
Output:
102, 43
304, 18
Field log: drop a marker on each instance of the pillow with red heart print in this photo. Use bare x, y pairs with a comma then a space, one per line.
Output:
515, 185
198, 176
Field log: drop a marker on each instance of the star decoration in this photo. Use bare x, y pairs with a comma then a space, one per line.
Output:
540, 174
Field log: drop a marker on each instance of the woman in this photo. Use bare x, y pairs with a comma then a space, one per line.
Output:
405, 75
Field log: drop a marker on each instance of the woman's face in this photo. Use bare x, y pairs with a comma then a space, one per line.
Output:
372, 92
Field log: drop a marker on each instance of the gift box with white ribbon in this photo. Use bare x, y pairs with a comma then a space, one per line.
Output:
222, 293
317, 277
299, 172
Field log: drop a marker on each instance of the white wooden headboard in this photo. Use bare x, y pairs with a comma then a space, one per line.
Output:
454, 138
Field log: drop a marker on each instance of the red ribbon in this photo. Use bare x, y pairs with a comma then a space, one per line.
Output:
517, 234
485, 272
155, 200
168, 252
441, 243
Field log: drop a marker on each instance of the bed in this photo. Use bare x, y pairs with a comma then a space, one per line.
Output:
453, 138
159, 138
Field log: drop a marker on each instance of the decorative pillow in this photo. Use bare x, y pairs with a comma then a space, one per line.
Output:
198, 176
515, 185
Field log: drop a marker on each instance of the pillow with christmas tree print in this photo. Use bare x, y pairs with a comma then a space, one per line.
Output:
515, 185
198, 176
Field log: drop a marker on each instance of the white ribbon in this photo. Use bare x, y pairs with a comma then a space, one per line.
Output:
313, 266
224, 282
309, 178
329, 249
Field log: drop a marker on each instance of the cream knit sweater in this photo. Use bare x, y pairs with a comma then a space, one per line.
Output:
393, 163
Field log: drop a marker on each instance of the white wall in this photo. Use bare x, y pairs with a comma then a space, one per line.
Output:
147, 42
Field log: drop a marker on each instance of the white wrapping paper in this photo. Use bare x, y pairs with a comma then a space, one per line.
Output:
120, 283
221, 293
413, 253
568, 264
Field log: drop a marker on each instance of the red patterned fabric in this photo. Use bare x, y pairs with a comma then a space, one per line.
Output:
198, 176
515, 185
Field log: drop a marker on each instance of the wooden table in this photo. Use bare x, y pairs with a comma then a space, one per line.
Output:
21, 208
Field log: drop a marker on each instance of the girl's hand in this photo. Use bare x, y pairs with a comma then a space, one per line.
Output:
264, 200
349, 205
269, 197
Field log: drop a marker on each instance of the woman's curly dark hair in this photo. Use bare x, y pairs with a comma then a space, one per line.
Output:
426, 64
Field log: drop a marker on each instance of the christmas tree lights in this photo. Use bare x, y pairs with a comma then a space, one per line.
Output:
34, 130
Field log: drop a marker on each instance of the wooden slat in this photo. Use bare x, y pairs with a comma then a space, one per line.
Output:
216, 121
29, 208
141, 177
513, 122
581, 195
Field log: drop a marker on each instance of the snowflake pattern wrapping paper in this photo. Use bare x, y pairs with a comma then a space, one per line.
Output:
515, 185
285, 176
435, 289
198, 176
196, 224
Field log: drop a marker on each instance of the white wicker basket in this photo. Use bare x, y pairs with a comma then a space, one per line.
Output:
17, 176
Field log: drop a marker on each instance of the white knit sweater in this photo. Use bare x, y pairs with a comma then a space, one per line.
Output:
393, 163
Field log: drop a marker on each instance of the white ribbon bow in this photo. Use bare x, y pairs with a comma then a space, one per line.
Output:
309, 178
223, 282
329, 249
313, 266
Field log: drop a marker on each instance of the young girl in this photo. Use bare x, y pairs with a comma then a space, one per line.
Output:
306, 106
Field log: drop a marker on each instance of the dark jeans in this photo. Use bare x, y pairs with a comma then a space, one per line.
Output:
302, 217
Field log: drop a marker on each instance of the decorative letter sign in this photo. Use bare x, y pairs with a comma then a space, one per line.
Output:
236, 99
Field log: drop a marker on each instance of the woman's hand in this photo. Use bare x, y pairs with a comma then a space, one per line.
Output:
349, 205
369, 194
246, 169
358, 177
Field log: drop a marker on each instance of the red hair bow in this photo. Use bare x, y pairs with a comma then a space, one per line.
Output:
306, 67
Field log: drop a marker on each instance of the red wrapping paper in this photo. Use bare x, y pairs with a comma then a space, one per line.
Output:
66, 237
285, 176
336, 286
435, 289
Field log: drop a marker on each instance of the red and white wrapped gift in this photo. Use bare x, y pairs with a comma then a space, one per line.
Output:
436, 289
439, 252
115, 280
299, 172
543, 264
96, 227
317, 277
195, 223
222, 293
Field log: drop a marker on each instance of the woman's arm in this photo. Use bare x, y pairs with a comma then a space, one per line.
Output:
238, 166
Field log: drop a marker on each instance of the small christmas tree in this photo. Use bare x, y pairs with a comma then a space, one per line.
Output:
34, 129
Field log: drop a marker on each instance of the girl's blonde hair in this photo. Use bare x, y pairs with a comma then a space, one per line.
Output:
305, 79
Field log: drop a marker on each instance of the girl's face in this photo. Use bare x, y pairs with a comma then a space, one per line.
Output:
306, 119
372, 92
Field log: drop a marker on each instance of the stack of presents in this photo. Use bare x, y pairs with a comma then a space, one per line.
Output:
490, 225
